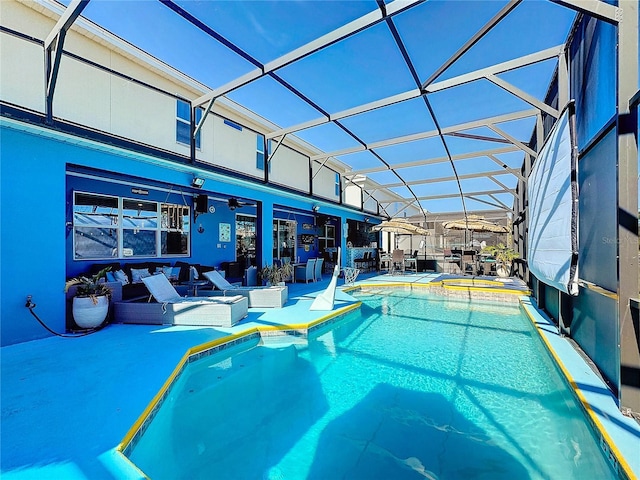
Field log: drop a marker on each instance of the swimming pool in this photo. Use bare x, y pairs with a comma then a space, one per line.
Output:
412, 385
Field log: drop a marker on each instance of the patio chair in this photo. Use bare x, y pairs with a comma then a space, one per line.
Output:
362, 263
172, 309
305, 273
411, 263
397, 261
317, 274
259, 297
452, 259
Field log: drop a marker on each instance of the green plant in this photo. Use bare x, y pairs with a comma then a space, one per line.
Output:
91, 287
286, 271
270, 274
274, 274
501, 253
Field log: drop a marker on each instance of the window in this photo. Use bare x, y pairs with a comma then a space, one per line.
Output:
284, 239
95, 225
139, 226
337, 185
183, 123
260, 152
112, 227
232, 124
327, 238
246, 239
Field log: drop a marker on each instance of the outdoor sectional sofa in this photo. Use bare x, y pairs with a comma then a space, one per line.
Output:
133, 290
170, 308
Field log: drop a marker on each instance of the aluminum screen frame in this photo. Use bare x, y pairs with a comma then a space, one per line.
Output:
552, 189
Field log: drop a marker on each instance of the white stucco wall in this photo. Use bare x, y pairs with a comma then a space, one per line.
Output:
291, 168
21, 72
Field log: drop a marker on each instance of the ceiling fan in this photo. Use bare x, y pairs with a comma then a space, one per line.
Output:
235, 203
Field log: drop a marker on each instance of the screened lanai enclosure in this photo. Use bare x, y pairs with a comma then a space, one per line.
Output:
521, 111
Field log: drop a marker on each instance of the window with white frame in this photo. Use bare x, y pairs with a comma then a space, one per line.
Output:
106, 226
183, 122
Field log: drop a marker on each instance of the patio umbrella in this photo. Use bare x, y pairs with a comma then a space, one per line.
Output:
475, 223
400, 227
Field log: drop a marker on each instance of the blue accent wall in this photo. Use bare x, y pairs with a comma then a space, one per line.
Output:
39, 172
32, 253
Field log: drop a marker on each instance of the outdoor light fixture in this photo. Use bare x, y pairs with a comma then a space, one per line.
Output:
197, 182
315, 208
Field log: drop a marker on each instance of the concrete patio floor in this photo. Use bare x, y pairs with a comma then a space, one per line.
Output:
68, 403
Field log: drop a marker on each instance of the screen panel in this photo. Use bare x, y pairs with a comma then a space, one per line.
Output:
553, 214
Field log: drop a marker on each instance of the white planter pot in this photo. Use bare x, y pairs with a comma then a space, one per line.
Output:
86, 314
502, 271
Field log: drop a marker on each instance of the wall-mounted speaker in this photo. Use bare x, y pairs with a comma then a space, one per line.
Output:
202, 204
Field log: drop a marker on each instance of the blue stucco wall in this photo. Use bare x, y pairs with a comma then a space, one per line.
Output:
40, 170
32, 260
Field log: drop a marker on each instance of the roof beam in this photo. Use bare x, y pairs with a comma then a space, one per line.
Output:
530, 59
524, 61
530, 99
367, 107
433, 133
468, 195
510, 170
63, 24
504, 11
499, 205
594, 8
419, 163
515, 141
478, 137
55, 40
311, 47
453, 178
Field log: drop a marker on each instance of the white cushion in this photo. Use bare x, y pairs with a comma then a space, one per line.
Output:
161, 289
221, 283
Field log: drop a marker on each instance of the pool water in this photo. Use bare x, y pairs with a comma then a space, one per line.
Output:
411, 386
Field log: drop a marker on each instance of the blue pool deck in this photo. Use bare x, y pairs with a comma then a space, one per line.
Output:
68, 403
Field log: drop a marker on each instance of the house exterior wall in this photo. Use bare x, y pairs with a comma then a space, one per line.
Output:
291, 168
107, 103
32, 236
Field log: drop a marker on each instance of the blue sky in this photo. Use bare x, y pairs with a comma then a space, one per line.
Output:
363, 68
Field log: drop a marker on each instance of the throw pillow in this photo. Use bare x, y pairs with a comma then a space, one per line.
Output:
137, 274
121, 277
171, 273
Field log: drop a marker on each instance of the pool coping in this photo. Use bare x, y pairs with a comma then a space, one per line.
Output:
213, 347
619, 436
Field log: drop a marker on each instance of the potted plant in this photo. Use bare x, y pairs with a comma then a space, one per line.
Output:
270, 274
286, 272
274, 275
91, 299
504, 257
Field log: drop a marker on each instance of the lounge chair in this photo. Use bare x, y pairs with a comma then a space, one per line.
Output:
172, 309
258, 297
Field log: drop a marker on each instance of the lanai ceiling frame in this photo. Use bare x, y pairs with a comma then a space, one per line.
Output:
386, 13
